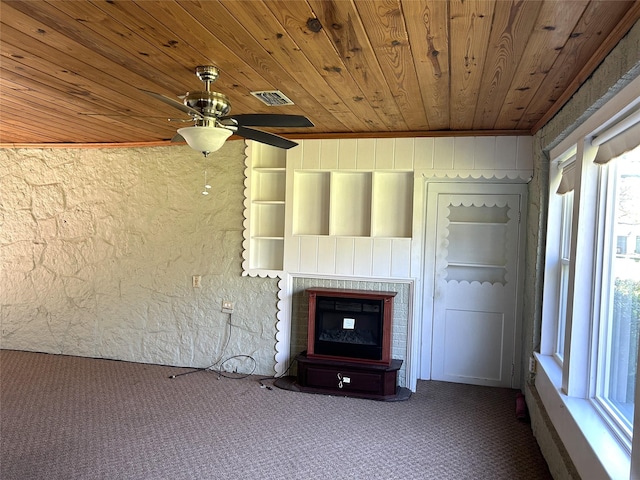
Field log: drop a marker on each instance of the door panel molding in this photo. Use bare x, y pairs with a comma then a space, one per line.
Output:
479, 278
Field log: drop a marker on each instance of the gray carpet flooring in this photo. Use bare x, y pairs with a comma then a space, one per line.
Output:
66, 418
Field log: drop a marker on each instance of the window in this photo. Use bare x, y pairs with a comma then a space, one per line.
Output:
621, 248
587, 362
620, 296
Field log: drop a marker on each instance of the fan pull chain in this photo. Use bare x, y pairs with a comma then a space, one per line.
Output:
207, 187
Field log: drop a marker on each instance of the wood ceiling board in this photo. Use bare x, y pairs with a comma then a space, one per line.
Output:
87, 45
427, 27
631, 17
354, 67
39, 93
45, 124
265, 46
69, 47
596, 23
555, 22
295, 45
189, 42
513, 22
123, 46
72, 80
42, 95
384, 24
341, 22
318, 49
469, 30
51, 117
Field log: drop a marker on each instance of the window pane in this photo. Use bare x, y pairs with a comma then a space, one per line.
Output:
622, 290
565, 246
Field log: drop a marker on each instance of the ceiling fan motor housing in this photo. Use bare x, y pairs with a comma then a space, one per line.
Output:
209, 104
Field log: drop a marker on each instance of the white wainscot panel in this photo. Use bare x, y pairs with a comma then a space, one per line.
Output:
464, 153
485, 153
308, 254
347, 154
443, 153
292, 255
525, 153
381, 260
366, 154
424, 153
404, 153
327, 255
294, 156
506, 153
344, 255
385, 153
401, 258
363, 257
329, 154
311, 154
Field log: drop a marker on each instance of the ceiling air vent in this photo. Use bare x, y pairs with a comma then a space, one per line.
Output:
273, 98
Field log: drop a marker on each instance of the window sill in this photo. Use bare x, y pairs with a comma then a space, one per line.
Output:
594, 450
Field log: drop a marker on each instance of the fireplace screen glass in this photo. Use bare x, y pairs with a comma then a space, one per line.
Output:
347, 327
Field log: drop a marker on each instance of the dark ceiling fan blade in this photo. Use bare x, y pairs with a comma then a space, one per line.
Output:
270, 120
174, 103
264, 137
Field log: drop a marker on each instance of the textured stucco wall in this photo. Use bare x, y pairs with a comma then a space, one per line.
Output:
620, 67
98, 248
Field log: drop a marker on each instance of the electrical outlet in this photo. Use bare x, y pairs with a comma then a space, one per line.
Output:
227, 306
196, 281
532, 365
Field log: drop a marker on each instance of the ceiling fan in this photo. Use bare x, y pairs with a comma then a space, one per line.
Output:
212, 123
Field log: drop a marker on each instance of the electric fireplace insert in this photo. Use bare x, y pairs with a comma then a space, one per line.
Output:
353, 325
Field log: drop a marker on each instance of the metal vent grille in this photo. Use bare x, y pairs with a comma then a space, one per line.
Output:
273, 98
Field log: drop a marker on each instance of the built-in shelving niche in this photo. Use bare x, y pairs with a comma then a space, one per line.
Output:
265, 210
353, 204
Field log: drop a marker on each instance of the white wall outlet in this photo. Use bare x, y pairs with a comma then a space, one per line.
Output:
227, 306
196, 281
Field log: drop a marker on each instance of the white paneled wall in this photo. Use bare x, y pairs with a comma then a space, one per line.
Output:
350, 203
355, 209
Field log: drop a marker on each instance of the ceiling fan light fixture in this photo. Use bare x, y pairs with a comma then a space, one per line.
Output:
205, 139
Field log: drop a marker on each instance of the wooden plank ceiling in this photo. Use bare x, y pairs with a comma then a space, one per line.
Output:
71, 71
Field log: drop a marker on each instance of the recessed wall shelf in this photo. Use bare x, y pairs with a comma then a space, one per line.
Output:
353, 204
265, 213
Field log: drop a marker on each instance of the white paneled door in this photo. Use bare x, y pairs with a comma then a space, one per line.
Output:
476, 286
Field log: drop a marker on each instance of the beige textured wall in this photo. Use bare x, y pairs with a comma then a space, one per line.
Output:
98, 248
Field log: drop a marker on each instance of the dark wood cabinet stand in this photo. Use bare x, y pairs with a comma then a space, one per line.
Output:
349, 345
352, 379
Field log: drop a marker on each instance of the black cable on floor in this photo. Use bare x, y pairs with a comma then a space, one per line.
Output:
221, 362
274, 378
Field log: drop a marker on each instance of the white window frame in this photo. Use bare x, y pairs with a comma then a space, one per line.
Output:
567, 388
564, 260
609, 241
